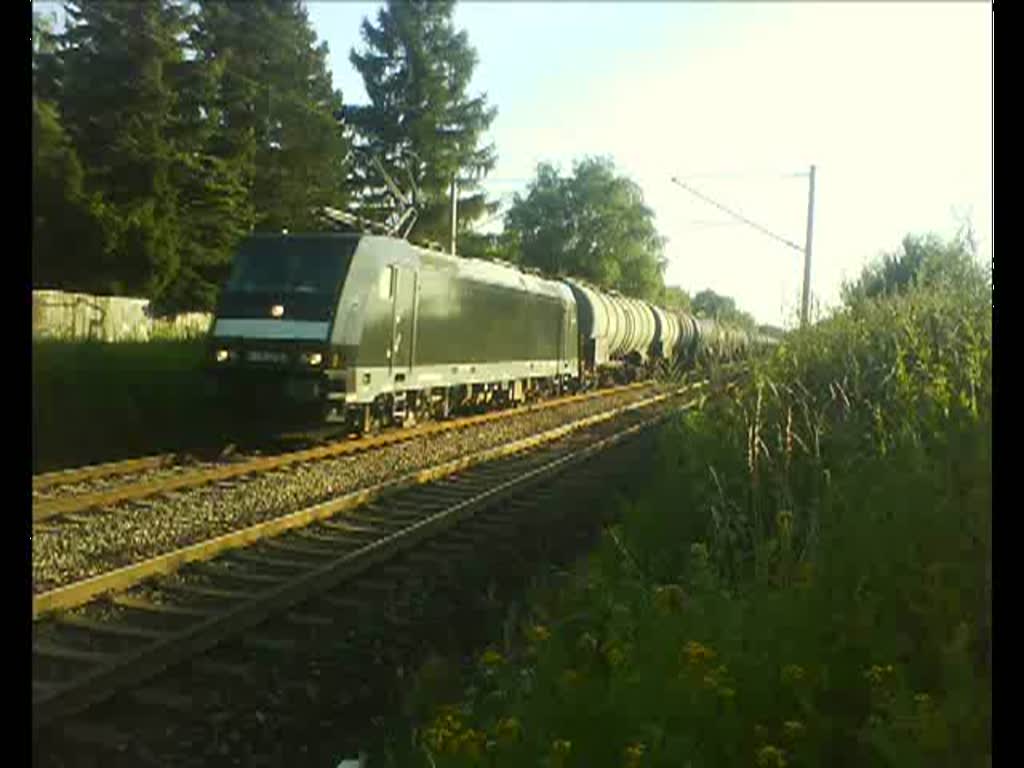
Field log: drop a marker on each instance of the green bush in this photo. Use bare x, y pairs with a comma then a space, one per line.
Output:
96, 402
805, 581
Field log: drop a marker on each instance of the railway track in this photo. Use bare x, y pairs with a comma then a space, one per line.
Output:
86, 655
103, 485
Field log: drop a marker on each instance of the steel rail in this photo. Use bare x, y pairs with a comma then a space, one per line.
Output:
47, 509
107, 469
113, 672
80, 592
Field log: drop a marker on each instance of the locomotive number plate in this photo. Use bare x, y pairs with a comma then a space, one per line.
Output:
261, 356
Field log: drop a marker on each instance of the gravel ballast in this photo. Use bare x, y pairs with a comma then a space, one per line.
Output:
95, 542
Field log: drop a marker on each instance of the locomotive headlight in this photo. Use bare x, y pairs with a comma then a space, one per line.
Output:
222, 355
314, 358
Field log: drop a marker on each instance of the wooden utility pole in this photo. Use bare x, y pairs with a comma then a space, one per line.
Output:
455, 204
805, 302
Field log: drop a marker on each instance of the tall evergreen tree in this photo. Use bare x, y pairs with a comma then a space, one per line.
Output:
118, 103
420, 125
68, 225
213, 195
277, 112
68, 233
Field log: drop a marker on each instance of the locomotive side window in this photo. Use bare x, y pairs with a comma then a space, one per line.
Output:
386, 285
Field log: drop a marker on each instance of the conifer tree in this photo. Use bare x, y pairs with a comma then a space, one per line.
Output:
420, 125
117, 103
278, 114
215, 201
69, 236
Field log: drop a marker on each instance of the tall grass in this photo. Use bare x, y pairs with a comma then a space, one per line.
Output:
93, 401
805, 581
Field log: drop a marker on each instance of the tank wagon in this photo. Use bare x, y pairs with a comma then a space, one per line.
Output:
622, 339
366, 329
362, 329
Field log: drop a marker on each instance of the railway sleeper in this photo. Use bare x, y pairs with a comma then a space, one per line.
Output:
203, 590
220, 574
478, 531
333, 540
297, 548
384, 521
117, 628
310, 619
95, 735
219, 669
350, 528
402, 510
63, 653
260, 641
163, 699
114, 637
169, 609
250, 558
345, 602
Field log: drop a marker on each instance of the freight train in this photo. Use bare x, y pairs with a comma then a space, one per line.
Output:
371, 330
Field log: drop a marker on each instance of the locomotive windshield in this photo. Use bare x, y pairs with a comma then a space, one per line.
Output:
291, 265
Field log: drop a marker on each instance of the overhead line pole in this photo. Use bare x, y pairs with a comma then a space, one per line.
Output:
455, 203
805, 303
806, 250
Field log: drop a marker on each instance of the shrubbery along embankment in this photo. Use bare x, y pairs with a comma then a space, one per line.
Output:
805, 580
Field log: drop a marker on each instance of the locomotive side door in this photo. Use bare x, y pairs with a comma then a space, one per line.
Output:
560, 353
403, 322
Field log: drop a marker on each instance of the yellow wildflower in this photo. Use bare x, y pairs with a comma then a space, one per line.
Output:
561, 747
878, 675
537, 633
634, 754
570, 677
923, 700
669, 598
507, 729
615, 653
793, 673
770, 757
698, 652
471, 743
491, 658
793, 728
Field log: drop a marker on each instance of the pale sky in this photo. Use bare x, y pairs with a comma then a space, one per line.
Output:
891, 101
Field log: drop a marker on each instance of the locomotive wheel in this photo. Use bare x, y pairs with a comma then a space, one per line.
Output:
363, 419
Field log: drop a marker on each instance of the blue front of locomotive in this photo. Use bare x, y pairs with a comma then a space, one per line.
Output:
270, 346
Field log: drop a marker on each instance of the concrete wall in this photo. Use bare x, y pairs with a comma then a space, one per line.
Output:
70, 316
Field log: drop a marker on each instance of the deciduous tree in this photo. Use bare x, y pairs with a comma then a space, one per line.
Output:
594, 225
